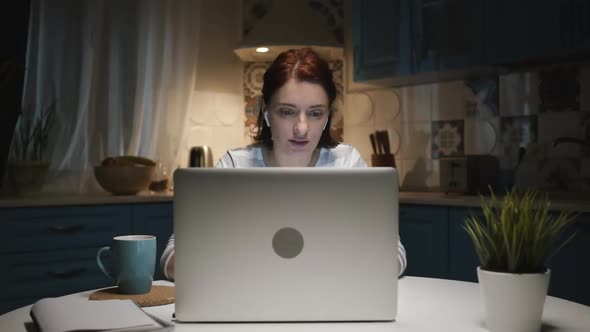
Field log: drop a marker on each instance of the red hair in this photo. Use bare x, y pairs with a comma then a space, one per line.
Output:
303, 65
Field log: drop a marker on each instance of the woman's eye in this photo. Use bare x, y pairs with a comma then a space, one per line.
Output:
316, 114
286, 112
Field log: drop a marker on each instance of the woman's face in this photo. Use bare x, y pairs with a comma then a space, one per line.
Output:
297, 112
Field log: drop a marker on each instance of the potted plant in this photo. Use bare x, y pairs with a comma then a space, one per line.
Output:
28, 165
514, 240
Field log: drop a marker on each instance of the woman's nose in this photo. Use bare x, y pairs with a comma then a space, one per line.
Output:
300, 129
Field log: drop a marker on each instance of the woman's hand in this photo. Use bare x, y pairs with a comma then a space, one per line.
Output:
170, 268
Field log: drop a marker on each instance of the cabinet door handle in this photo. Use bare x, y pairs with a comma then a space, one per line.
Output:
66, 274
66, 229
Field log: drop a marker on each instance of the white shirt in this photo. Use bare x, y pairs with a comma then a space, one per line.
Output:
343, 155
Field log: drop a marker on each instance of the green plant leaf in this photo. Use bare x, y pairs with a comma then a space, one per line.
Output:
517, 234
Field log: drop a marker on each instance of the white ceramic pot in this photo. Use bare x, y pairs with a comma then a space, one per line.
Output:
513, 302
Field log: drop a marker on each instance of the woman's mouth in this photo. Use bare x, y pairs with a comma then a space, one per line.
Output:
297, 143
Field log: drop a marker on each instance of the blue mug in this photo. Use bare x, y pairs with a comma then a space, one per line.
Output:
134, 263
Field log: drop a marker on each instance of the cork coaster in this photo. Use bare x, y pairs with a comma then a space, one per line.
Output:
158, 295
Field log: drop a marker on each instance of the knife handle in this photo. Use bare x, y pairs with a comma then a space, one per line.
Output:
372, 138
386, 142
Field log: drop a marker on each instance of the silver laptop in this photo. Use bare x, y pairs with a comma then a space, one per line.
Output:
286, 244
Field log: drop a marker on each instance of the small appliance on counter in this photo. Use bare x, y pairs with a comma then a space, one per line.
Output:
201, 156
472, 175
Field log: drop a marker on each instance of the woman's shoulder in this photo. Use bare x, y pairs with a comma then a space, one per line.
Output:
248, 156
342, 155
342, 149
249, 150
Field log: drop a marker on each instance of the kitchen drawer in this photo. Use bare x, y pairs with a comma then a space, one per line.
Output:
50, 228
32, 276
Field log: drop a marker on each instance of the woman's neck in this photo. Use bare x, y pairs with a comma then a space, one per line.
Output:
273, 159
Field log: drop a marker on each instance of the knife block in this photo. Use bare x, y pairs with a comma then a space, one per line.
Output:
383, 160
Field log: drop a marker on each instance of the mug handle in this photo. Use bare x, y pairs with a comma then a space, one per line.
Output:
98, 260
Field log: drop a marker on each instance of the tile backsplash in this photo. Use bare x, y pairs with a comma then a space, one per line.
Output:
515, 117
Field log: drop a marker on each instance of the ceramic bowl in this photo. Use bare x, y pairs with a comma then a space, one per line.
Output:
124, 180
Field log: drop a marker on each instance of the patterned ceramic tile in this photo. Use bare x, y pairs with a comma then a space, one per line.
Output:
358, 109
555, 125
416, 103
418, 175
331, 10
519, 130
253, 11
415, 140
526, 174
450, 101
386, 104
253, 78
480, 136
254, 74
337, 68
519, 94
447, 138
486, 96
560, 174
559, 89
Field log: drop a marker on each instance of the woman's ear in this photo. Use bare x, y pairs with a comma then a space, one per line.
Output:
328, 120
266, 118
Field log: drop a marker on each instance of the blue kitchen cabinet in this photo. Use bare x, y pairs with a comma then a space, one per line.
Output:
447, 34
513, 30
574, 26
570, 267
397, 38
52, 228
533, 31
28, 277
463, 260
424, 233
381, 38
51, 251
154, 219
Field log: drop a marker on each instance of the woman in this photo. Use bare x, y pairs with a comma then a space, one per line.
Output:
293, 127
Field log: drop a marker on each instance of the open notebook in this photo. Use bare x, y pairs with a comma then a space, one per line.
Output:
80, 314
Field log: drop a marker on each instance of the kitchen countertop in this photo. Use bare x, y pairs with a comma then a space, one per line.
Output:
559, 202
54, 199
562, 201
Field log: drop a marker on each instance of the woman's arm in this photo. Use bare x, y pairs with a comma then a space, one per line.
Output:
401, 257
167, 259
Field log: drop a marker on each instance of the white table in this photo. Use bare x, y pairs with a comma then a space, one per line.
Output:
424, 305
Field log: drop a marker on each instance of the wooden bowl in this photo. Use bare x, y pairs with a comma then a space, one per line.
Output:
124, 180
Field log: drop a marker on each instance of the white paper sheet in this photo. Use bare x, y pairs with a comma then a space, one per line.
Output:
78, 314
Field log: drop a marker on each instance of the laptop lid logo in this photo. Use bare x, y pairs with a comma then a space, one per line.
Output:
287, 242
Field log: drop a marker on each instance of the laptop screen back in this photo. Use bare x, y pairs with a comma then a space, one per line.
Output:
286, 244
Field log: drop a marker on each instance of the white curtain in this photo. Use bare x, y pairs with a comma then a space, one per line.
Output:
121, 75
